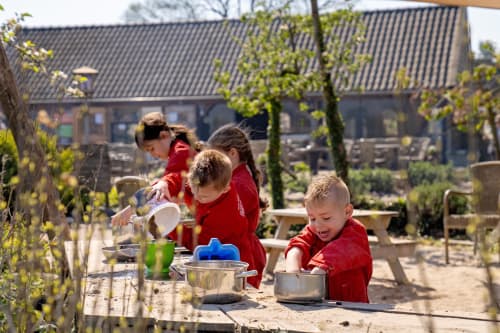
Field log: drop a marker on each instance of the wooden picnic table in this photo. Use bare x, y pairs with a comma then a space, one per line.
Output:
113, 302
383, 247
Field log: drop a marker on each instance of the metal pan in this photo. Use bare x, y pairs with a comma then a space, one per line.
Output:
300, 287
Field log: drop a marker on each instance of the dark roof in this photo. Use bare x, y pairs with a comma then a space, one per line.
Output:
175, 60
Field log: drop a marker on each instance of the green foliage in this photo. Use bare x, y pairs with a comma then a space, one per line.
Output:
9, 157
302, 178
473, 101
426, 202
371, 180
420, 173
59, 161
274, 65
398, 224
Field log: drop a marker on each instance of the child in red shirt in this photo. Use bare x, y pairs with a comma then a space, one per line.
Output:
332, 242
234, 143
219, 211
173, 143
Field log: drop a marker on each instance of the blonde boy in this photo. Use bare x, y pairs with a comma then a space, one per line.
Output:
333, 242
219, 211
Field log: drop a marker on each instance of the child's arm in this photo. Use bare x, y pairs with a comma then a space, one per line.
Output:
293, 260
122, 217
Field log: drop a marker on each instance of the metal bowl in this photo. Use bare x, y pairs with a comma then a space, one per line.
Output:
217, 281
121, 252
300, 287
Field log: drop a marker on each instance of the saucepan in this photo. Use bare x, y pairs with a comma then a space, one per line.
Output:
300, 287
217, 281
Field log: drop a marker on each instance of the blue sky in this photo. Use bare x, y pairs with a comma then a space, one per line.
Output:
485, 23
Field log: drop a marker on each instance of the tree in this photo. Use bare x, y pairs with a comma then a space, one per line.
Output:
275, 63
35, 189
178, 10
336, 56
192, 10
474, 101
269, 63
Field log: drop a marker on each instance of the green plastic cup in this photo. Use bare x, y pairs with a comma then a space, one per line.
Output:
159, 256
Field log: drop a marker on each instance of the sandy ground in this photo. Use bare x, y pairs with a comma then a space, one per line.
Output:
457, 287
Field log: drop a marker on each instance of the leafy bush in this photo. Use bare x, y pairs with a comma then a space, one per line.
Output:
60, 163
420, 173
8, 152
371, 180
398, 223
301, 181
426, 202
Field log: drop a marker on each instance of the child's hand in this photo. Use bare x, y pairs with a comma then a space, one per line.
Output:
293, 260
159, 191
122, 217
317, 270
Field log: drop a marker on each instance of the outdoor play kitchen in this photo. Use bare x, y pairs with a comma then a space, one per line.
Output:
213, 273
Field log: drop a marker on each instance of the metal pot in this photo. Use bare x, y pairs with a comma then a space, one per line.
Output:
302, 287
217, 281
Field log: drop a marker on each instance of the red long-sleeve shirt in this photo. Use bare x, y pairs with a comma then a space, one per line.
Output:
223, 218
179, 158
247, 191
347, 259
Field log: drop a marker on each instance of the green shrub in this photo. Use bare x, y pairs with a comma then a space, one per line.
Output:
398, 223
426, 202
8, 152
59, 161
301, 179
420, 173
371, 180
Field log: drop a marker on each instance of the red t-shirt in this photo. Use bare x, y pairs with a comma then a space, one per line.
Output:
180, 157
347, 259
223, 218
247, 191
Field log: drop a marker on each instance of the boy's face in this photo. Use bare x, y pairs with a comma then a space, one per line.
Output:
327, 218
207, 193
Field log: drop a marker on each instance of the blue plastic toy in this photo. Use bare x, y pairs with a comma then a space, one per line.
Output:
216, 251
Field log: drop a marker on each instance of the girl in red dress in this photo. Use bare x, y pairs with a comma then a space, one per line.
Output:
175, 144
234, 142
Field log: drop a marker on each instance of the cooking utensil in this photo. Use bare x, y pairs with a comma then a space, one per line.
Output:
128, 252
121, 252
300, 287
216, 251
165, 214
159, 256
217, 281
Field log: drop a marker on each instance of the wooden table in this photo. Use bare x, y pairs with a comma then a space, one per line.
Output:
375, 220
114, 302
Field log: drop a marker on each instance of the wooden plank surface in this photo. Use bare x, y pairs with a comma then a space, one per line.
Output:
261, 312
112, 300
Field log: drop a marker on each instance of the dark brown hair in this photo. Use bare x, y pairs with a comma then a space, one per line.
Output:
231, 136
210, 167
152, 124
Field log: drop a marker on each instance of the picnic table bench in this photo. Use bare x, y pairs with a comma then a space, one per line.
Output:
381, 245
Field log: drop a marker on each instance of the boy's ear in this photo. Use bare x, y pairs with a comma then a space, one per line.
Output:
349, 210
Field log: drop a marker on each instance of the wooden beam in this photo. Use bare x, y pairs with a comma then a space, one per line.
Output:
494, 4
